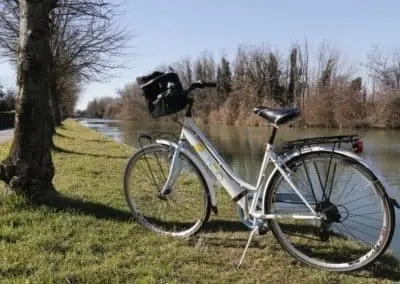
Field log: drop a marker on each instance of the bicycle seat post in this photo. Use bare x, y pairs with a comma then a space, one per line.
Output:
272, 138
189, 108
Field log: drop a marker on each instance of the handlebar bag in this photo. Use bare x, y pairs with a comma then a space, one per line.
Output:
163, 93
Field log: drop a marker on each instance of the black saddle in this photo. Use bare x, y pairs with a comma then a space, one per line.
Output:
277, 116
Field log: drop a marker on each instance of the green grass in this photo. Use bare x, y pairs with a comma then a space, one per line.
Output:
91, 237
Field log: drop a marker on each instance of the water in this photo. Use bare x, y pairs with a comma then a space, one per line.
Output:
243, 147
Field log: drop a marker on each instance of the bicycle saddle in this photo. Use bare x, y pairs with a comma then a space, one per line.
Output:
277, 116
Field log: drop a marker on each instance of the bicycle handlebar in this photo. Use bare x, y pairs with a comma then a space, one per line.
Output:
192, 87
200, 85
210, 85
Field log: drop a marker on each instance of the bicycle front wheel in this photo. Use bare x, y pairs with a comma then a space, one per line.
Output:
179, 213
359, 221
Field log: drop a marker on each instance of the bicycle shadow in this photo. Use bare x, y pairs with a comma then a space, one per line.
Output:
223, 242
386, 267
89, 208
104, 212
223, 225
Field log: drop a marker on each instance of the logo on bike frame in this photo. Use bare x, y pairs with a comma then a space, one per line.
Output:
210, 161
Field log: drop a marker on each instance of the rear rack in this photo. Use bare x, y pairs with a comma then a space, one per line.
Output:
335, 141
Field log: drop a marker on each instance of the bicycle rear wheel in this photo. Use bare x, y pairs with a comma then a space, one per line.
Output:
179, 213
360, 217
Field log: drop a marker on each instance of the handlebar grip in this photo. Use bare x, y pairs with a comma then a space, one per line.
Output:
200, 85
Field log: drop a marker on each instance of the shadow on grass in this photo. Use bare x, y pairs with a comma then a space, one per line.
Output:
65, 151
99, 140
88, 140
89, 208
224, 242
386, 267
232, 226
64, 136
101, 211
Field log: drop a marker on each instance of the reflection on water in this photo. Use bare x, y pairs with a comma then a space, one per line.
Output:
243, 147
110, 128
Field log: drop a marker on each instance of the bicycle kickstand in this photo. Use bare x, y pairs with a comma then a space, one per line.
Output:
255, 230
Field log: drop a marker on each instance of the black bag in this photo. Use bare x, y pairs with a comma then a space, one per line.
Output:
163, 93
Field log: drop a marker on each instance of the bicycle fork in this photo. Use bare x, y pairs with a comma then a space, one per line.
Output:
175, 169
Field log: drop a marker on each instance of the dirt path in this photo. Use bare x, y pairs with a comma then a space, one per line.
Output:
6, 135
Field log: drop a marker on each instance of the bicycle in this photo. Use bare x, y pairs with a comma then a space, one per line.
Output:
302, 194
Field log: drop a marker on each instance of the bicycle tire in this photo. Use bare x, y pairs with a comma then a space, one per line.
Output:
152, 223
345, 247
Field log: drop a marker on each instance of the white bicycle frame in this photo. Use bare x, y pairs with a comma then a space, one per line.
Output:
234, 185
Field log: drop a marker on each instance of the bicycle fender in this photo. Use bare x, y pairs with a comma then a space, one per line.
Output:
210, 181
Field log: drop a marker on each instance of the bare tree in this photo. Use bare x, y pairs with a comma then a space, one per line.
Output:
9, 23
385, 69
304, 84
204, 68
86, 42
28, 170
133, 105
184, 69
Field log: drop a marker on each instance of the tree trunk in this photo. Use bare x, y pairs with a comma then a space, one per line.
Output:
56, 105
52, 104
28, 170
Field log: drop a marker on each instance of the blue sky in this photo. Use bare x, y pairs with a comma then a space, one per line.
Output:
169, 30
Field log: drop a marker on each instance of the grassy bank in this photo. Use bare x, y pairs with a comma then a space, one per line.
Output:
91, 237
6, 119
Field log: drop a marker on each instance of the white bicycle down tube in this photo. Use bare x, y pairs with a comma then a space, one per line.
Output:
233, 188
